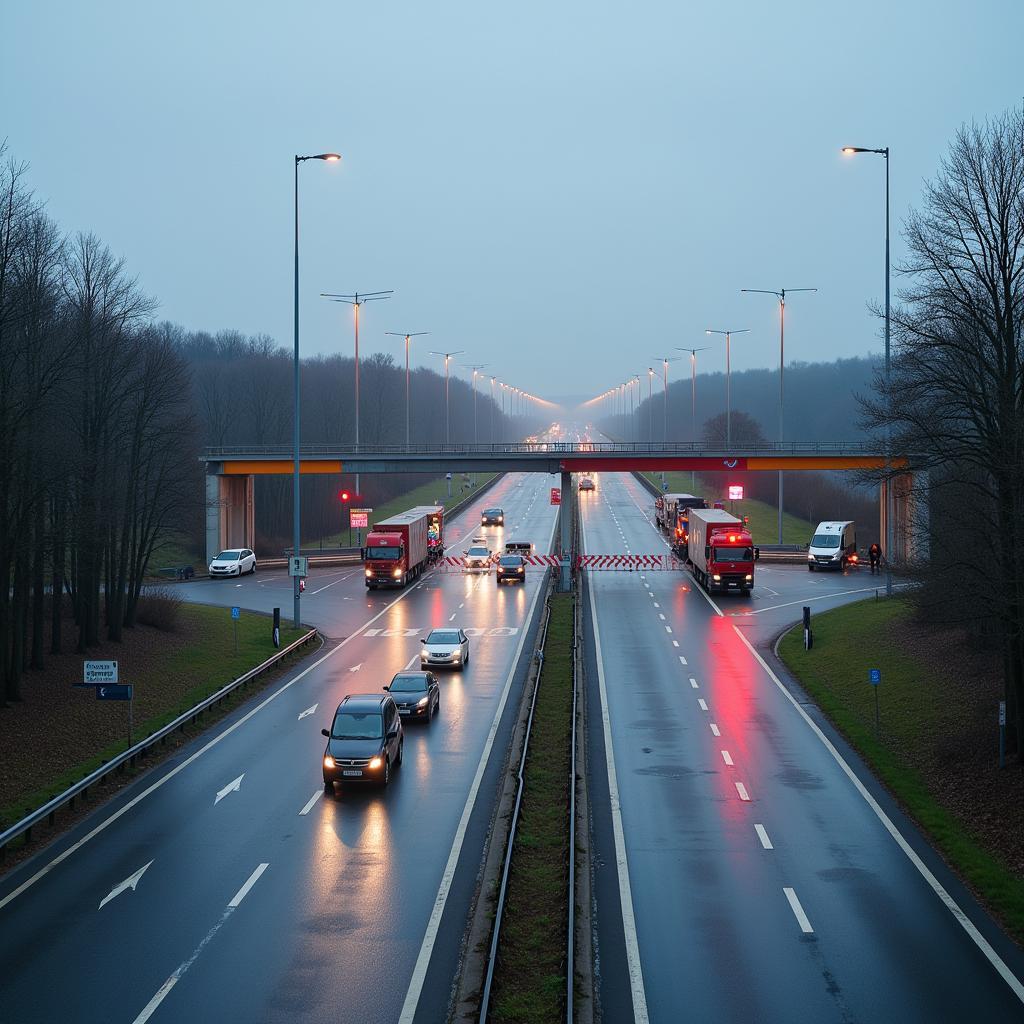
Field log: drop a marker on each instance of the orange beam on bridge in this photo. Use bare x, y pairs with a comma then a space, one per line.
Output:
277, 467
824, 462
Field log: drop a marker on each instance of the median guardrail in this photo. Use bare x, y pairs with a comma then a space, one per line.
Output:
127, 757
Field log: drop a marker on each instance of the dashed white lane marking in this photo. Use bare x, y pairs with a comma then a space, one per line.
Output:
694, 683
798, 911
682, 660
661, 615
668, 629
714, 730
951, 905
742, 790
656, 605
675, 643
763, 836
161, 994
451, 618
727, 757
703, 703
311, 801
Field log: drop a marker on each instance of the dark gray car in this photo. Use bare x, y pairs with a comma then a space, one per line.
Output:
416, 694
365, 741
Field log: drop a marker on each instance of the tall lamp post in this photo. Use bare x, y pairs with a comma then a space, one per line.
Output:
728, 382
476, 368
296, 528
356, 301
493, 382
693, 401
665, 360
650, 404
781, 296
447, 360
412, 334
851, 151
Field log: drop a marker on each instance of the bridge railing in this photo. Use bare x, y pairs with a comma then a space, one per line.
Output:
541, 448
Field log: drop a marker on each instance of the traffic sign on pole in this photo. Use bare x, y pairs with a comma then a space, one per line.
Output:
298, 565
114, 691
99, 672
874, 676
556, 495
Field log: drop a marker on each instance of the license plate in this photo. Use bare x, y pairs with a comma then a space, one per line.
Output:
351, 772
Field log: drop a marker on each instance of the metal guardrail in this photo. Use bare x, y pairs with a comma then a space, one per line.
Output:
82, 787
499, 910
217, 453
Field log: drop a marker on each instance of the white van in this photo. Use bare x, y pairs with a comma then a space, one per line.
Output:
833, 546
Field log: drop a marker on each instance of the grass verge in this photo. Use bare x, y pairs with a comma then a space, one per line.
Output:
763, 516
530, 973
916, 723
167, 684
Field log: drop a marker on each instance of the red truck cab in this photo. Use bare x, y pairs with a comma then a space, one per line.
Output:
721, 551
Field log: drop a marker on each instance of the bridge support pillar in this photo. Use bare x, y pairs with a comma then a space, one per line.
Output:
910, 527
230, 513
565, 533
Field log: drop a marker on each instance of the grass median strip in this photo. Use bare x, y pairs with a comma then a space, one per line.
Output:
530, 973
935, 748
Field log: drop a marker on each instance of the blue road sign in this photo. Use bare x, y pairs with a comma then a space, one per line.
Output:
874, 676
114, 691
236, 612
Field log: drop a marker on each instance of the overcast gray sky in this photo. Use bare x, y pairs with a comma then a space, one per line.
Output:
564, 190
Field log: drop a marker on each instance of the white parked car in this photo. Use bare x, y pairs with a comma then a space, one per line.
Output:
233, 562
445, 647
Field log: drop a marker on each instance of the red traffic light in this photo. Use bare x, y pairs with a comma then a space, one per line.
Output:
344, 495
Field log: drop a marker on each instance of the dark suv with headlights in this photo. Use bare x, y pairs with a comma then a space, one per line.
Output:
510, 569
492, 517
365, 741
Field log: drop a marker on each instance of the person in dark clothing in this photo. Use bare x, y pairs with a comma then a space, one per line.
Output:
875, 554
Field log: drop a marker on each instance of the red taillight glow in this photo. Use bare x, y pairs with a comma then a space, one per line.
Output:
732, 538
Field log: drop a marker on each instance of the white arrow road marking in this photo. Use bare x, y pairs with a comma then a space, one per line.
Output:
356, 668
231, 787
129, 883
307, 712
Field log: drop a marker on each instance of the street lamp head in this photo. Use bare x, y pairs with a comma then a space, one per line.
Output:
852, 150
329, 157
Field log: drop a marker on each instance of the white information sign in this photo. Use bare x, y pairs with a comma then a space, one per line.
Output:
298, 565
100, 672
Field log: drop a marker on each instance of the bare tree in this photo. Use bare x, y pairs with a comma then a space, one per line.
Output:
956, 395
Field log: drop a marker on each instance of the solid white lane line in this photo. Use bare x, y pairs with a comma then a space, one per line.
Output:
161, 993
682, 660
798, 911
419, 972
714, 730
312, 800
414, 660
951, 905
163, 780
703, 703
633, 965
249, 883
705, 594
763, 836
742, 790
320, 590
727, 757
822, 597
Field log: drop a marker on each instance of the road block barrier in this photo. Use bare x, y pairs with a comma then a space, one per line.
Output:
630, 563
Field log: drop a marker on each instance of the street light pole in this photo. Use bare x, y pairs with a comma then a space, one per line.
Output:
447, 360
850, 150
650, 404
411, 334
492, 410
356, 300
296, 525
781, 296
728, 381
693, 402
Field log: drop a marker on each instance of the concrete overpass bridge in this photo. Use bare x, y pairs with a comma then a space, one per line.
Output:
231, 469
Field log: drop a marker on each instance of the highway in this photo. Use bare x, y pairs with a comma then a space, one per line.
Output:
225, 884
741, 874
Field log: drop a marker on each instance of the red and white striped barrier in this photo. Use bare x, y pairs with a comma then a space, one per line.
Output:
629, 563
453, 563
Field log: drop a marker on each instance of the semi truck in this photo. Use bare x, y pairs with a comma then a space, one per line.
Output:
398, 549
672, 512
720, 551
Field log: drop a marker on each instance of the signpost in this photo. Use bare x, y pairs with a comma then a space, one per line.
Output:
1002, 734
808, 635
556, 495
735, 492
298, 565
875, 678
236, 614
359, 518
119, 691
99, 672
